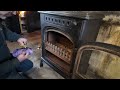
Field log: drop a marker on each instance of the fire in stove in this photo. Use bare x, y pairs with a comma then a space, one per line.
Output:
60, 51
59, 45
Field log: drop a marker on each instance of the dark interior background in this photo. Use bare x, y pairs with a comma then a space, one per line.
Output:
13, 23
32, 22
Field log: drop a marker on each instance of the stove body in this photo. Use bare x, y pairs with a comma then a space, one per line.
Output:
62, 36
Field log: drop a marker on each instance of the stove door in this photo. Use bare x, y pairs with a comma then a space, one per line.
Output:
97, 61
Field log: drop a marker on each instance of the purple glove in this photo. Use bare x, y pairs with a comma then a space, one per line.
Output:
17, 52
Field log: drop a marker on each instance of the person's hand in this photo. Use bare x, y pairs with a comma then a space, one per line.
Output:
23, 56
22, 41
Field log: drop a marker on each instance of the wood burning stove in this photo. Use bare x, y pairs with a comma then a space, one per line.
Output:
61, 38
97, 60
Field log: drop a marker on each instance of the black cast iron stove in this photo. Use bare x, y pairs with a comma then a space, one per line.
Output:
62, 35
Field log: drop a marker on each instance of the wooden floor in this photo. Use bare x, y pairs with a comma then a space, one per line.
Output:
37, 72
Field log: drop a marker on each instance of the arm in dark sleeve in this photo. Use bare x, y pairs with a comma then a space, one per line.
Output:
8, 66
9, 35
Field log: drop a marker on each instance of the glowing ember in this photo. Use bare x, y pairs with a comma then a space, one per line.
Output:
22, 13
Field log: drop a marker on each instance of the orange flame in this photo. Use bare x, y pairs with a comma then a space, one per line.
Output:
22, 13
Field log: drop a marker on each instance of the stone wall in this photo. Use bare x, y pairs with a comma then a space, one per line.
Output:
110, 30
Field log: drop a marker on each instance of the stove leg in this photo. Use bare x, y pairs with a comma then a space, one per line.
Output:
41, 63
